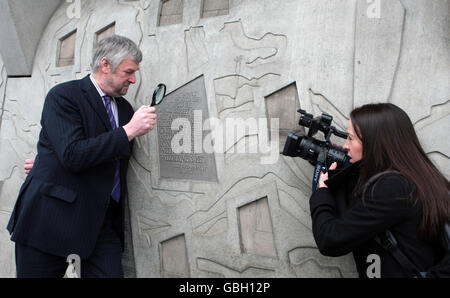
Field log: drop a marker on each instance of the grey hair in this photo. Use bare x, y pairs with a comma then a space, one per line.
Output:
115, 49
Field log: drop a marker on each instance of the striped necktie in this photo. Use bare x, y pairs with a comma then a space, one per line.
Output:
115, 193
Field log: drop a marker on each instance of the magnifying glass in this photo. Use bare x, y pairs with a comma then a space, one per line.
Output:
158, 95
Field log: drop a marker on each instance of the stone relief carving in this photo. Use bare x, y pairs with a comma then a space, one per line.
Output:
148, 226
253, 52
196, 52
235, 92
432, 131
336, 55
309, 261
221, 270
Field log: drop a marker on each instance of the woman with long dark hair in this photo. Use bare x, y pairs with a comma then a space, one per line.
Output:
410, 198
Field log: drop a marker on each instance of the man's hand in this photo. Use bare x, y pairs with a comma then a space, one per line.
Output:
324, 177
28, 165
143, 121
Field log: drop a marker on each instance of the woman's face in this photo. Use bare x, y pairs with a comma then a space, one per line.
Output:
353, 144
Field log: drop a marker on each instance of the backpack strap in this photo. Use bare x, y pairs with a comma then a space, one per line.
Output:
445, 237
389, 243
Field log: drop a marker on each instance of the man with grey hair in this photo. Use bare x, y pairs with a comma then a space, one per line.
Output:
72, 201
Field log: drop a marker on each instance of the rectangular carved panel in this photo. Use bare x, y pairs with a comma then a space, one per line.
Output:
108, 31
174, 258
256, 228
171, 12
188, 107
66, 55
214, 8
283, 104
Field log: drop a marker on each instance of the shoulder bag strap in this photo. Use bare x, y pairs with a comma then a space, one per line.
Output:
388, 241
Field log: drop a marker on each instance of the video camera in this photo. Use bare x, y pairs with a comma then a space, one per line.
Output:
318, 153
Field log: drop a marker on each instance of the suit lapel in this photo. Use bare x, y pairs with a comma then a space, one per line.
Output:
122, 111
95, 101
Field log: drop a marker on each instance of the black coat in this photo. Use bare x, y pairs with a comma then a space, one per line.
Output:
340, 227
62, 204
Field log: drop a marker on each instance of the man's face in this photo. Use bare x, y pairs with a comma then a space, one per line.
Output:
119, 81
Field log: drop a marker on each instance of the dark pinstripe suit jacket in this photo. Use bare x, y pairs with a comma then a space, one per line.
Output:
62, 203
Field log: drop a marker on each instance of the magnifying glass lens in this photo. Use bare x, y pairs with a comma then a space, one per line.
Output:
159, 94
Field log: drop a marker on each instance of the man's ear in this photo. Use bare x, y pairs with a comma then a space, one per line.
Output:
105, 66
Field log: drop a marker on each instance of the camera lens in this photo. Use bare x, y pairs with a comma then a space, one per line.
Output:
309, 149
337, 155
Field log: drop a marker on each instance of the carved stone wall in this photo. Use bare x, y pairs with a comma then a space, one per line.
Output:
225, 213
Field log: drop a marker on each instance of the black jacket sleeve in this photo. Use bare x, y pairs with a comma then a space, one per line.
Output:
338, 235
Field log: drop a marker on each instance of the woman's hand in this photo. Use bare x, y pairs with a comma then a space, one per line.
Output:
324, 177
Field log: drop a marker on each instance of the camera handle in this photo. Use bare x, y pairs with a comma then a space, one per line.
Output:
336, 132
320, 166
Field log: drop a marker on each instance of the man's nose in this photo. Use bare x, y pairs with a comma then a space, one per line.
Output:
132, 78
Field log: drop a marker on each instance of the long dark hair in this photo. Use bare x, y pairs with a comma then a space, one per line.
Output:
390, 143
